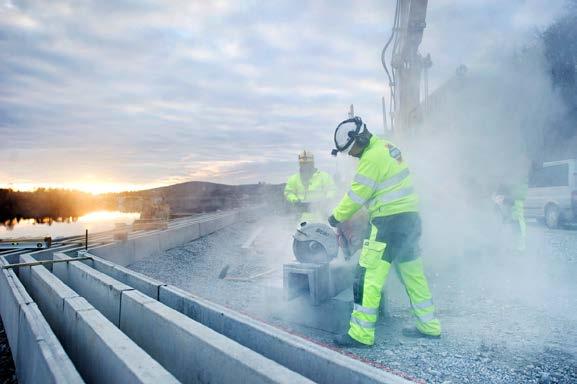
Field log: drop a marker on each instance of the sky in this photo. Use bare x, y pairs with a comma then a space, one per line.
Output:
111, 95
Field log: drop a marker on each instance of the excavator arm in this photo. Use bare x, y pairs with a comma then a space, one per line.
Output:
406, 63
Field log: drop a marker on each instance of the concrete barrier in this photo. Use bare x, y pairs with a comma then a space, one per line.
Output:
190, 351
138, 281
99, 289
154, 243
216, 225
309, 359
37, 353
193, 352
12, 296
99, 350
48, 294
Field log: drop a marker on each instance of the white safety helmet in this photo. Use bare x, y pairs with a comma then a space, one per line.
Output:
346, 133
306, 157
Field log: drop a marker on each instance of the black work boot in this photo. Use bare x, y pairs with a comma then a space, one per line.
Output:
416, 334
346, 341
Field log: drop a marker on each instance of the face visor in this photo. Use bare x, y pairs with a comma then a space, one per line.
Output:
346, 133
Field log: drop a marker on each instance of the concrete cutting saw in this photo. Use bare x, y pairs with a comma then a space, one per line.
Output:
315, 243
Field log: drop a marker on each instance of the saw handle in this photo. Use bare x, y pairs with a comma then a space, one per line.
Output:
343, 243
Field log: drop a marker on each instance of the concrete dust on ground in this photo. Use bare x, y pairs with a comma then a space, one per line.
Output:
196, 266
507, 318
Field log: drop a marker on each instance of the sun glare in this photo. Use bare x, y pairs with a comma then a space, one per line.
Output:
101, 216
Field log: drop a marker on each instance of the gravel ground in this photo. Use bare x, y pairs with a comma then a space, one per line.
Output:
7, 370
507, 317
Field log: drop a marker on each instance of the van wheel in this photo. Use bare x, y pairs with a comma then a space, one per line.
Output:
552, 216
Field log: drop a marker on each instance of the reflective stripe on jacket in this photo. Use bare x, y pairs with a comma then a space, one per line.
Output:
383, 183
320, 187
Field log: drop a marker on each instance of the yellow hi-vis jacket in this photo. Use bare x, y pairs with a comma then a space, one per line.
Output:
320, 187
383, 184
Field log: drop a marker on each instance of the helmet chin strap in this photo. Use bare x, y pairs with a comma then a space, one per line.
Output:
355, 151
360, 143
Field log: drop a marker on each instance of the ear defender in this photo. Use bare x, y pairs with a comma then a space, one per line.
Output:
362, 139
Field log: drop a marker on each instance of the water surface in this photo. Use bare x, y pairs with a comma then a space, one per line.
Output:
62, 227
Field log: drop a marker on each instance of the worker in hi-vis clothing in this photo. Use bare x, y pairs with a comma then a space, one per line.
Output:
384, 185
307, 190
510, 199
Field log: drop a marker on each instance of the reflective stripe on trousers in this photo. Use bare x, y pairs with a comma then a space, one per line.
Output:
363, 323
417, 287
365, 310
367, 292
368, 311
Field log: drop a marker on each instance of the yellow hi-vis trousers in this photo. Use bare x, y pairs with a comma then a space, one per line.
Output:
518, 217
374, 265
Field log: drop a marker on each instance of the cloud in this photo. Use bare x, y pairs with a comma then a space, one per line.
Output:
152, 92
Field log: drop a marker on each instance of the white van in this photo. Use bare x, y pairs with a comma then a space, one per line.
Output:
552, 194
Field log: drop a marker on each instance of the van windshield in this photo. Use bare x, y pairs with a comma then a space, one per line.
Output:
551, 176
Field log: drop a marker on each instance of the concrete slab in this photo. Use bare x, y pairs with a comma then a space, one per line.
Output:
193, 352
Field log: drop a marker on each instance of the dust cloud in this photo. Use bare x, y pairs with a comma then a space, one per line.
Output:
484, 127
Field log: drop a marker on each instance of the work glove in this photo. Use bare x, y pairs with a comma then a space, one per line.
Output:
333, 222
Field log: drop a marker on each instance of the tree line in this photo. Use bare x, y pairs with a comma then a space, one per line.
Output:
53, 203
